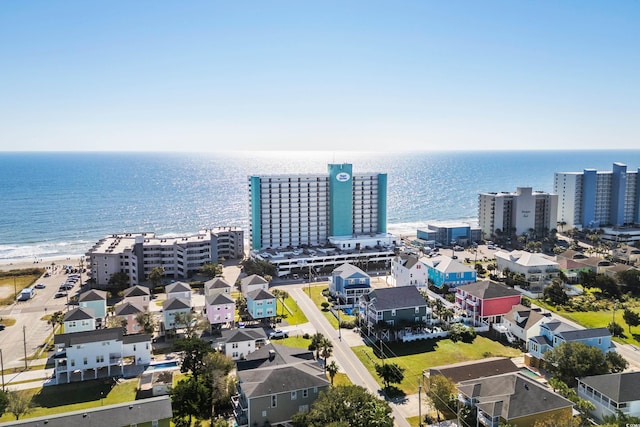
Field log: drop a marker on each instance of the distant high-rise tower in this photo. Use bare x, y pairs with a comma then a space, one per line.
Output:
591, 198
518, 212
295, 210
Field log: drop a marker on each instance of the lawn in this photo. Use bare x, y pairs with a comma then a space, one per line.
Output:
294, 341
77, 396
294, 316
340, 379
318, 299
418, 356
10, 289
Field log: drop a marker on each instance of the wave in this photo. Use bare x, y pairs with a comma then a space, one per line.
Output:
73, 249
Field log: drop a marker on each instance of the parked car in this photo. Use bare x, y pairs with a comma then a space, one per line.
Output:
60, 294
279, 333
40, 286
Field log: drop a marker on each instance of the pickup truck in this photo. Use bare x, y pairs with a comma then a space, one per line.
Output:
278, 333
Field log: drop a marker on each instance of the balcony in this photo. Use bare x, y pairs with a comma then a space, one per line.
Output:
240, 410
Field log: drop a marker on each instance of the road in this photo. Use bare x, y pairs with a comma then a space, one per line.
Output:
28, 324
351, 365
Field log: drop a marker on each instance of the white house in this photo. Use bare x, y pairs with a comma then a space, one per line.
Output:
253, 283
408, 270
77, 320
238, 343
98, 353
524, 322
216, 286
537, 269
612, 393
138, 295
170, 308
178, 290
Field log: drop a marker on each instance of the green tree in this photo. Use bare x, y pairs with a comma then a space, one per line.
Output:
615, 362
332, 369
56, 319
146, 321
348, 406
442, 394
631, 318
211, 270
620, 419
630, 279
615, 329
118, 282
260, 267
390, 373
326, 349
571, 360
4, 401
155, 276
555, 293
191, 398
314, 345
193, 351
191, 323
19, 404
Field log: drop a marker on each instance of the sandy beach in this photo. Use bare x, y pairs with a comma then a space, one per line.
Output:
49, 263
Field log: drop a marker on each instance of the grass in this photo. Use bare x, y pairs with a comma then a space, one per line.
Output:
77, 396
7, 321
21, 282
418, 356
340, 379
317, 298
296, 342
294, 316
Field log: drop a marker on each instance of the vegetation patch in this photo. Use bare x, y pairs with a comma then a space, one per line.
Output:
7, 321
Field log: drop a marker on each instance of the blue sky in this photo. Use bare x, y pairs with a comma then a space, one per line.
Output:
329, 75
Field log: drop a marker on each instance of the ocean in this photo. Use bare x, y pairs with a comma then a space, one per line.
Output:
59, 204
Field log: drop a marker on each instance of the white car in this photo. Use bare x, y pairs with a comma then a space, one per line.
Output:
40, 286
278, 333
60, 294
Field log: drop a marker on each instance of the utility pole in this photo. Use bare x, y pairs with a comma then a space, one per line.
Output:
2, 368
420, 404
15, 290
24, 339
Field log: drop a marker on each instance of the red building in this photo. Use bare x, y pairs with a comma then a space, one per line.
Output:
486, 301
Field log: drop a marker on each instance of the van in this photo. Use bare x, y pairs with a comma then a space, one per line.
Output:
26, 294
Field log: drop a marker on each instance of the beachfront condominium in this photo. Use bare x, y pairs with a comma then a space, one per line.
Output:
523, 212
592, 198
289, 211
136, 254
310, 224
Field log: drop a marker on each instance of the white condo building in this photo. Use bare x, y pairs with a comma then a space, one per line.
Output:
594, 198
340, 209
136, 254
517, 212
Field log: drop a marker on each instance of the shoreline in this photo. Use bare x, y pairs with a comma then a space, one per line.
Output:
18, 264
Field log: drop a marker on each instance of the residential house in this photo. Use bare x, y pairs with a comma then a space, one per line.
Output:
138, 295
572, 269
275, 383
472, 370
217, 286
155, 383
554, 332
595, 264
261, 304
570, 254
524, 322
128, 312
173, 307
238, 343
613, 270
446, 271
77, 320
626, 254
348, 283
512, 399
404, 309
153, 412
99, 353
612, 393
486, 301
253, 283
95, 301
537, 269
220, 309
408, 270
178, 290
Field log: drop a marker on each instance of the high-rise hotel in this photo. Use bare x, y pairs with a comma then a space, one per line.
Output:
343, 209
594, 198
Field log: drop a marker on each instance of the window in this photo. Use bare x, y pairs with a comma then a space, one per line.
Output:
234, 345
264, 413
234, 354
303, 408
393, 312
72, 324
154, 423
305, 392
294, 395
99, 359
274, 401
85, 360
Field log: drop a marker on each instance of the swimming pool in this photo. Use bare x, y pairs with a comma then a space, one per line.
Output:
163, 365
529, 373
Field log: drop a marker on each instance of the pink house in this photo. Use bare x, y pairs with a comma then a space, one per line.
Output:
128, 311
220, 309
486, 301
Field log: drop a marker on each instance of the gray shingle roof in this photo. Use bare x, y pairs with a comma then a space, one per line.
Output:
281, 356
622, 387
77, 313
253, 280
260, 294
121, 414
85, 337
136, 291
241, 335
488, 290
581, 334
512, 396
529, 317
219, 299
175, 304
127, 308
475, 369
177, 287
216, 283
93, 295
348, 270
395, 298
133, 338
281, 379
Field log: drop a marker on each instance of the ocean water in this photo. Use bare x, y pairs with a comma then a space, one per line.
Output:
60, 204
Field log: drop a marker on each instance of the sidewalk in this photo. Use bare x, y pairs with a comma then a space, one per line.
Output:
28, 379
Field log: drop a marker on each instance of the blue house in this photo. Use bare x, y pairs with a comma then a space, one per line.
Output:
553, 333
261, 304
443, 270
348, 283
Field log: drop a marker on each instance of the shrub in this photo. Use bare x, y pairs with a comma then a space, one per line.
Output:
348, 324
325, 305
306, 336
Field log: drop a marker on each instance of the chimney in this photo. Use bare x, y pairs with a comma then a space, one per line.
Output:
272, 355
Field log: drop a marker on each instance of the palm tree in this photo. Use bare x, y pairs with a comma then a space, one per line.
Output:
332, 369
326, 347
316, 340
